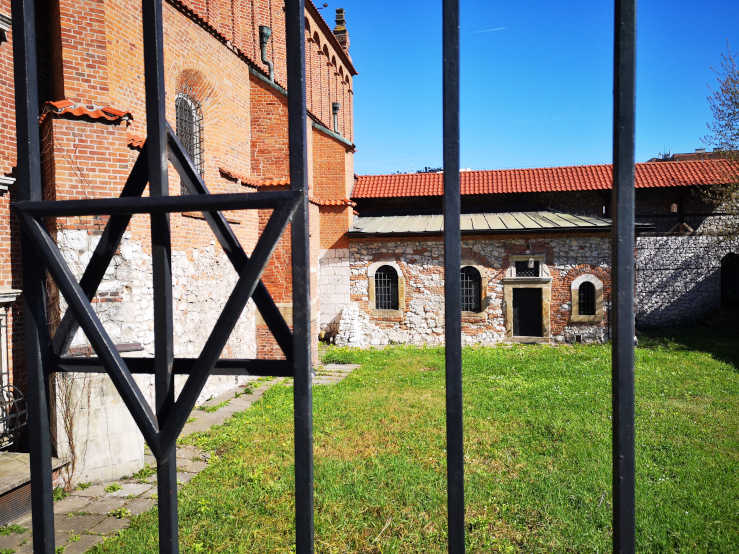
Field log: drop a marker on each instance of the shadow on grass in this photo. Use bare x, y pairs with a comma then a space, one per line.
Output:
721, 341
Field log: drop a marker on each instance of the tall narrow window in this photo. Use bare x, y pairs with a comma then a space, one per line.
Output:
471, 289
386, 288
586, 298
190, 129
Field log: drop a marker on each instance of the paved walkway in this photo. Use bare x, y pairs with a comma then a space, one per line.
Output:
87, 516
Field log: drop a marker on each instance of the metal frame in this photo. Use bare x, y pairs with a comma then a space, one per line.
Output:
161, 426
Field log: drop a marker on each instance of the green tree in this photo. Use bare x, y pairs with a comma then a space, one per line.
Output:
723, 134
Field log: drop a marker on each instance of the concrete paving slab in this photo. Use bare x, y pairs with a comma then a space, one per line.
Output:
110, 525
140, 505
14, 540
104, 505
85, 543
131, 489
90, 492
191, 466
72, 504
76, 523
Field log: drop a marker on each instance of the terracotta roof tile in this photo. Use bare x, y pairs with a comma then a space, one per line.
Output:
68, 108
546, 179
328, 202
136, 142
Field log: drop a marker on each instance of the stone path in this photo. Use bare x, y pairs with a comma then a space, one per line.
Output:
88, 515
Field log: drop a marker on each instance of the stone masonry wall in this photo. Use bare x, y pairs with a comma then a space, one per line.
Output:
107, 440
419, 259
679, 277
333, 286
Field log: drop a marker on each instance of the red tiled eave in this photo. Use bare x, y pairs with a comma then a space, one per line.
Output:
547, 179
67, 108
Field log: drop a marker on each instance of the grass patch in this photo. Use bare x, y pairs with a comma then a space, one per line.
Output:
11, 529
144, 473
214, 407
113, 487
120, 513
537, 457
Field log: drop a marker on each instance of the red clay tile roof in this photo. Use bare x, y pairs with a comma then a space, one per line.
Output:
69, 108
546, 179
136, 142
327, 202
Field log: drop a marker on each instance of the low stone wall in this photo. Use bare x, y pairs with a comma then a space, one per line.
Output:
421, 317
202, 279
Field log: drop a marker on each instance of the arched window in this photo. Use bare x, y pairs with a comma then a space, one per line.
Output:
471, 289
190, 128
386, 288
586, 298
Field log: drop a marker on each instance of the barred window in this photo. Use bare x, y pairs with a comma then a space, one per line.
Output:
471, 289
586, 298
386, 288
523, 269
190, 129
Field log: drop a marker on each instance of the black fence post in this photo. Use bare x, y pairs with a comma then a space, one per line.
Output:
452, 279
302, 386
161, 257
37, 339
622, 269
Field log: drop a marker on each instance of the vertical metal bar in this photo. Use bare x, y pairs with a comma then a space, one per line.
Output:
37, 339
302, 388
622, 252
452, 279
156, 142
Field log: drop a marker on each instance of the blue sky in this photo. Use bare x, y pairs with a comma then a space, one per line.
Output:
536, 80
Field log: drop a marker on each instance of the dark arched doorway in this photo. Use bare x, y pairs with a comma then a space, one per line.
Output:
730, 281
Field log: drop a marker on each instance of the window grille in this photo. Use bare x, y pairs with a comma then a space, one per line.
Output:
471, 284
586, 297
386, 288
190, 129
523, 269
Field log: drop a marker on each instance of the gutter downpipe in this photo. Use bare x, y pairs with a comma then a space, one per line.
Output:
264, 34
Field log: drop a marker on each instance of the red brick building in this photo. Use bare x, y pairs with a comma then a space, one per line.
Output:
225, 78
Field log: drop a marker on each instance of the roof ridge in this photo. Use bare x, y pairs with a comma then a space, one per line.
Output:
603, 165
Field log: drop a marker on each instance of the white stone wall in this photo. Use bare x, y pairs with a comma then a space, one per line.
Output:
678, 279
333, 286
422, 264
202, 279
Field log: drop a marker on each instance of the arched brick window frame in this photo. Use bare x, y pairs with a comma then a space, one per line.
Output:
372, 299
576, 316
189, 128
477, 272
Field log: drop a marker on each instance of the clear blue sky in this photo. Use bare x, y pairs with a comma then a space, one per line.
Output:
536, 79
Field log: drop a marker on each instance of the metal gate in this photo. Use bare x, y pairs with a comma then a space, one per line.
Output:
162, 426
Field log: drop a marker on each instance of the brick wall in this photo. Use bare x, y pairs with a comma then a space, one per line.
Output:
10, 266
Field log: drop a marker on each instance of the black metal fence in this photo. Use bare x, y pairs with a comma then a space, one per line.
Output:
161, 426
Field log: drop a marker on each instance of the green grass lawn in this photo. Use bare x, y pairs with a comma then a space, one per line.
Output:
537, 452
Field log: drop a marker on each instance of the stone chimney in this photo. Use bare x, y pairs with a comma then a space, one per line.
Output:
340, 32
